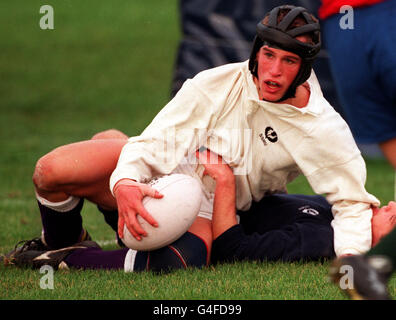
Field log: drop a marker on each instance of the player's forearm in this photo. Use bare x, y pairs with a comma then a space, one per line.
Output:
224, 212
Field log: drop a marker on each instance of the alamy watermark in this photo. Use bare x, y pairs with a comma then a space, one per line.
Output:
47, 20
169, 147
346, 21
346, 281
47, 280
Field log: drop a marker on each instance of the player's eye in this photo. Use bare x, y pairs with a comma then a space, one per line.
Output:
290, 61
268, 54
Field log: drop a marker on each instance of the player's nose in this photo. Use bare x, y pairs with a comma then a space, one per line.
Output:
276, 68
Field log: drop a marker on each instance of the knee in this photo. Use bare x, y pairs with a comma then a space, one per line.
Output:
45, 175
110, 134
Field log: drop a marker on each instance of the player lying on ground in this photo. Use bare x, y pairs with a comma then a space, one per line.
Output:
279, 227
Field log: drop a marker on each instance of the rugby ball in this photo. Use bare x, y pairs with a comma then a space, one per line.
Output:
175, 212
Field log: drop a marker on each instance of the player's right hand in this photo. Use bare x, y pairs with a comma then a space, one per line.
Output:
214, 165
129, 195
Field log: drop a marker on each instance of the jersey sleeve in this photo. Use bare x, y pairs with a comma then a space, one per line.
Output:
178, 129
344, 188
336, 169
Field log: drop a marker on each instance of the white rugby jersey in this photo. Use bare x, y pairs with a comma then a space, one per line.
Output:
267, 145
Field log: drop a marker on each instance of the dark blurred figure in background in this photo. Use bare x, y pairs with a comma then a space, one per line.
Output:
217, 32
361, 43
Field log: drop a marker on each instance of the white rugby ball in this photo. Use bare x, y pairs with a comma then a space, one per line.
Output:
175, 212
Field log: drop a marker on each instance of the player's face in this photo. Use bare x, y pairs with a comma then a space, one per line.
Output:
276, 71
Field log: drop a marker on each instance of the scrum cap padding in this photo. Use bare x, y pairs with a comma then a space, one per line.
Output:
286, 41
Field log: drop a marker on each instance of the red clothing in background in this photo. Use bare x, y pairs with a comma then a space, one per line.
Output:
330, 7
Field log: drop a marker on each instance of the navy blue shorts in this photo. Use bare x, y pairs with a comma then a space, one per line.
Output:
279, 210
363, 63
279, 228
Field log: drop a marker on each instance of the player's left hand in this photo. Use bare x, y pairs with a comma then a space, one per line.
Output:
129, 195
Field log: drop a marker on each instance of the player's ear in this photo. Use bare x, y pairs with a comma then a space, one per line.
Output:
255, 67
392, 206
255, 64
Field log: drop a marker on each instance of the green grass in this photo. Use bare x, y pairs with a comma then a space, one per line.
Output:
242, 281
109, 65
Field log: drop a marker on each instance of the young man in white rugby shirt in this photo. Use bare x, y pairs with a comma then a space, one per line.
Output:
266, 117
292, 128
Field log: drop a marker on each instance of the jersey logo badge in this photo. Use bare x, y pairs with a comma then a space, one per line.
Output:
268, 135
309, 210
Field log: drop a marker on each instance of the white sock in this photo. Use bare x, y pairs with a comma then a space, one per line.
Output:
130, 260
62, 206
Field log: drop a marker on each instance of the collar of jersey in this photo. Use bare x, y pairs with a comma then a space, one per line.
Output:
314, 107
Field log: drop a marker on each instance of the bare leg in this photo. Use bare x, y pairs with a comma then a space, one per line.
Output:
83, 170
69, 174
80, 169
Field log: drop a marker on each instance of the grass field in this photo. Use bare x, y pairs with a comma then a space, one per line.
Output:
109, 65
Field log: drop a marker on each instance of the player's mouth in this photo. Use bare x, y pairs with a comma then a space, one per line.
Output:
272, 86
